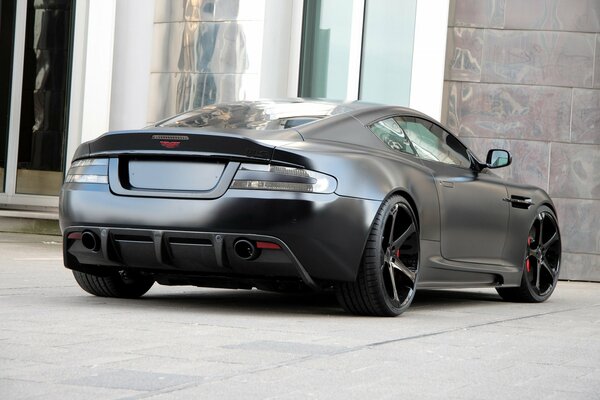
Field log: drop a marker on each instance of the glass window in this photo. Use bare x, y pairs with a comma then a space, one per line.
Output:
44, 102
325, 49
350, 55
433, 143
389, 32
7, 33
392, 135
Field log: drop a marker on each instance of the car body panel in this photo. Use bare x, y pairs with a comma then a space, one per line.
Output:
473, 225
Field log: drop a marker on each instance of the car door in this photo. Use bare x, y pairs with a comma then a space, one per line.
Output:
473, 215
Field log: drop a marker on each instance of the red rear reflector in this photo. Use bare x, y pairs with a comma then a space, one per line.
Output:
74, 235
268, 245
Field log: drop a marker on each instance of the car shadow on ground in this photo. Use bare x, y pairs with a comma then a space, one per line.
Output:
261, 302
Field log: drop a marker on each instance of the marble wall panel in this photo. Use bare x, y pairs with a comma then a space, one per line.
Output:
207, 47
575, 171
597, 63
509, 111
530, 159
239, 10
173, 93
169, 10
579, 221
585, 125
553, 15
477, 13
162, 94
167, 47
581, 267
538, 57
208, 10
463, 54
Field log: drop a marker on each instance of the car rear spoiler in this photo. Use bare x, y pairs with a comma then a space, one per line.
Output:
242, 146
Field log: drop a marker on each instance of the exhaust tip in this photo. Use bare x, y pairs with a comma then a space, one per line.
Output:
245, 249
90, 241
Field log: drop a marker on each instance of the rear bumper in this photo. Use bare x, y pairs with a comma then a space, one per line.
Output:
321, 237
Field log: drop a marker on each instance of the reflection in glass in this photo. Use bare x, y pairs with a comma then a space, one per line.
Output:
44, 104
325, 48
7, 34
210, 49
388, 41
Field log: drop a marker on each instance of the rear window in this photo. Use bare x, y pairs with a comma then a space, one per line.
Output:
251, 115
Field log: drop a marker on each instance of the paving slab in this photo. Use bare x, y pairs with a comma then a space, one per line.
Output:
57, 341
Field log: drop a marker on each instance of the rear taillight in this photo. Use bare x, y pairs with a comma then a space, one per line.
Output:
274, 177
88, 170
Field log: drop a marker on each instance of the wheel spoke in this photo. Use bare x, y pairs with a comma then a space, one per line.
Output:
393, 213
538, 272
547, 267
393, 280
399, 265
400, 241
550, 241
541, 217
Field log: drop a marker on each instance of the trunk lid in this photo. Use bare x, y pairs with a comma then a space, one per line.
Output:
181, 163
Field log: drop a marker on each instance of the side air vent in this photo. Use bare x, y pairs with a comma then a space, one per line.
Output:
519, 201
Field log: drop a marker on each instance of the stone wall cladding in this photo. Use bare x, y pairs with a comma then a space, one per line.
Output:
525, 76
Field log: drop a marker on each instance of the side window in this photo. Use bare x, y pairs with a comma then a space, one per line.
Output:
433, 143
390, 133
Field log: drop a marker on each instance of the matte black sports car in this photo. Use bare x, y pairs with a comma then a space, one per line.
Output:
371, 201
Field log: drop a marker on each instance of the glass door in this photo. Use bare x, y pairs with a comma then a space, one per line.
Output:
7, 37
34, 116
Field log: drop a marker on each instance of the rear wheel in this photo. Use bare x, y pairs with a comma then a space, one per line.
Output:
541, 264
118, 284
387, 277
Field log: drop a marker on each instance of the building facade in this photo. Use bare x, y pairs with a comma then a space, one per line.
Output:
501, 73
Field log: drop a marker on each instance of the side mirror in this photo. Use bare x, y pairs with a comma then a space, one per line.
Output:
498, 158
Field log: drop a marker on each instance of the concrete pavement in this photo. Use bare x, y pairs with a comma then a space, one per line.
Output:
182, 342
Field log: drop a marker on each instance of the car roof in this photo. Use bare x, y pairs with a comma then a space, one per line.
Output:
278, 114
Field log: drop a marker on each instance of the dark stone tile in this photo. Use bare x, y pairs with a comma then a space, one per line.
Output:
585, 124
509, 111
530, 159
575, 171
579, 221
477, 13
545, 58
463, 54
553, 15
581, 267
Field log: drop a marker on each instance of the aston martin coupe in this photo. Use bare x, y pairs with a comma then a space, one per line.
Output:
368, 200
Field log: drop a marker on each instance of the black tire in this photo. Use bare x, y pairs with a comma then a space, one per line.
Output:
119, 284
387, 277
541, 265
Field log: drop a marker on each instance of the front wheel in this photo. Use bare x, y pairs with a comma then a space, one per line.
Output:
541, 263
118, 284
387, 277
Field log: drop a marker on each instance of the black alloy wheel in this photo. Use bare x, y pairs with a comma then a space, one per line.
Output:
541, 265
388, 275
